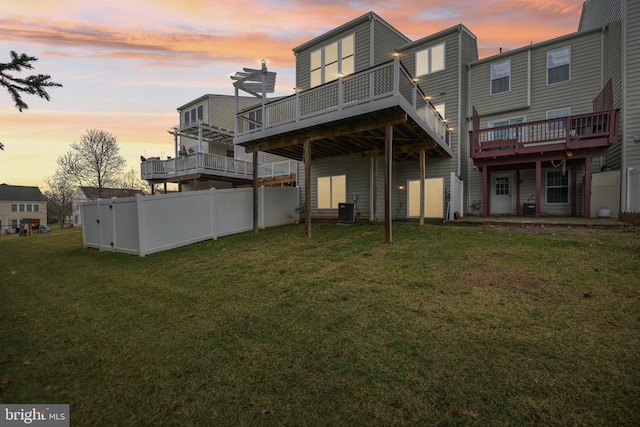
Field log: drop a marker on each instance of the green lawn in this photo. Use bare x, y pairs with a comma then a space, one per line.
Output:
446, 326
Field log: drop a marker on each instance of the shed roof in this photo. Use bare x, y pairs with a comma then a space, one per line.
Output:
19, 193
93, 193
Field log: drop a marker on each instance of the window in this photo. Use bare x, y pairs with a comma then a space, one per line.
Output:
14, 207
501, 77
557, 114
255, 119
332, 61
502, 186
29, 207
557, 187
21, 207
36, 208
230, 154
440, 109
430, 60
509, 133
558, 65
331, 191
194, 115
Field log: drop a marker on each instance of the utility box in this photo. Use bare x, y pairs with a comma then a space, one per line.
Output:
346, 212
529, 209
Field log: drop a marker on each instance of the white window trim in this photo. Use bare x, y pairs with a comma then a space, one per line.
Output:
429, 51
546, 187
492, 79
547, 65
549, 128
509, 122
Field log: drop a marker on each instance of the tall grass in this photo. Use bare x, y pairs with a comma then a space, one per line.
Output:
446, 326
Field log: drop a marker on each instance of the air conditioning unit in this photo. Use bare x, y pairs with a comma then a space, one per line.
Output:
346, 212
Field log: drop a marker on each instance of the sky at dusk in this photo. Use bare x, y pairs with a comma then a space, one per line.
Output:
125, 66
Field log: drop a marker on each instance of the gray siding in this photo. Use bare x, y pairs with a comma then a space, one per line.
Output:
598, 13
362, 53
386, 42
633, 85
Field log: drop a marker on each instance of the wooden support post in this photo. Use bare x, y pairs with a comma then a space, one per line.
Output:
538, 187
255, 192
195, 184
307, 187
375, 189
587, 187
422, 159
518, 205
165, 187
388, 159
485, 191
574, 192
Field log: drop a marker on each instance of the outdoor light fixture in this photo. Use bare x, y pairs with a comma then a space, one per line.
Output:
401, 187
569, 153
396, 54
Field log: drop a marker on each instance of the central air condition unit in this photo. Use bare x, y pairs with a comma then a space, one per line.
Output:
346, 212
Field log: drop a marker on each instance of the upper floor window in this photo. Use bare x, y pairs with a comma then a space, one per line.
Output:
332, 61
22, 207
194, 115
36, 208
430, 60
557, 114
29, 208
501, 77
558, 65
14, 207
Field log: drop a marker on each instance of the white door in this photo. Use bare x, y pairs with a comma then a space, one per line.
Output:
501, 193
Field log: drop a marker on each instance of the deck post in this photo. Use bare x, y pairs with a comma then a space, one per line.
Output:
587, 187
375, 189
422, 159
388, 159
538, 186
574, 192
255, 192
518, 206
485, 191
307, 187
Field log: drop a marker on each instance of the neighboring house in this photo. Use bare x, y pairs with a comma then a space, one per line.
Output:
18, 204
203, 154
85, 194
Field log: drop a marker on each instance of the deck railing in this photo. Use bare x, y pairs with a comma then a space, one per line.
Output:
382, 81
562, 133
214, 165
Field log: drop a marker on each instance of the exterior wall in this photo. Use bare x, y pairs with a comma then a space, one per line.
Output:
386, 41
362, 53
7, 216
632, 112
78, 198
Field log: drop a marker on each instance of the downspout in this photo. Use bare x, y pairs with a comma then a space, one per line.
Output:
624, 189
602, 76
459, 99
529, 78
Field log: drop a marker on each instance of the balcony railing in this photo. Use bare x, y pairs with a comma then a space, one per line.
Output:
572, 132
214, 165
379, 82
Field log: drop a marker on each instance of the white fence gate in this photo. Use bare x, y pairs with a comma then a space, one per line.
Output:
456, 203
143, 225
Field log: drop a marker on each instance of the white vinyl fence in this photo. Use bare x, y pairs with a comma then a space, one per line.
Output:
633, 189
143, 225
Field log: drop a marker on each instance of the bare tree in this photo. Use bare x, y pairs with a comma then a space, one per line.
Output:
31, 85
95, 161
59, 199
131, 181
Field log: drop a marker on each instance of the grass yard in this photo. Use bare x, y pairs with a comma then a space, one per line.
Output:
446, 326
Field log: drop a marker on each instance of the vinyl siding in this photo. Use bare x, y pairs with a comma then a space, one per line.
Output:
357, 170
362, 53
385, 43
598, 13
613, 71
633, 84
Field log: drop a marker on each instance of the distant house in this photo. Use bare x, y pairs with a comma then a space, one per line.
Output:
85, 194
20, 203
204, 156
